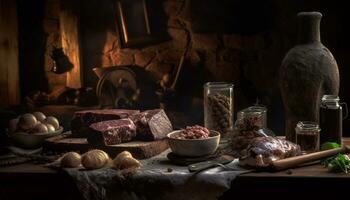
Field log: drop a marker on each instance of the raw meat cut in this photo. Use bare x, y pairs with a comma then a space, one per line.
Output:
83, 119
263, 150
152, 124
111, 132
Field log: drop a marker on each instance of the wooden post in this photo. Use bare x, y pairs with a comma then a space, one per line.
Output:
9, 67
69, 28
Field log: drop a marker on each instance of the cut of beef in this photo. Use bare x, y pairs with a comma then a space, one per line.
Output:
111, 132
152, 124
83, 119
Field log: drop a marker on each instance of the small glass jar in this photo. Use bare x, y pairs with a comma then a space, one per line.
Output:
308, 136
218, 107
251, 118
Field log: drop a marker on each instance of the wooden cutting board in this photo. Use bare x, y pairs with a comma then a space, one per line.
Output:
139, 149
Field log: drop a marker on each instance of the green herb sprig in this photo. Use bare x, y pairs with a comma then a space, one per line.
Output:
337, 163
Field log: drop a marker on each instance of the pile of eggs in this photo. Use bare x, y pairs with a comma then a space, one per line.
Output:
34, 123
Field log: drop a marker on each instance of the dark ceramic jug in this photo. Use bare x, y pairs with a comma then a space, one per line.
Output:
308, 71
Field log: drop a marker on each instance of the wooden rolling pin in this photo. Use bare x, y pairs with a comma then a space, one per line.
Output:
298, 160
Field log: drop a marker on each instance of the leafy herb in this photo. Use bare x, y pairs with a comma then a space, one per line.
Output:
329, 145
338, 163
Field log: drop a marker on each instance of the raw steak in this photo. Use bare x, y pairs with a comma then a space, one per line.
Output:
111, 132
83, 119
152, 124
263, 150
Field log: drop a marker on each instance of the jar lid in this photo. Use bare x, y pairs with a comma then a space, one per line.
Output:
250, 112
259, 108
308, 126
218, 85
330, 100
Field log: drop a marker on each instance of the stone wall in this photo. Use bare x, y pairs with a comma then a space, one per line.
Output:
249, 54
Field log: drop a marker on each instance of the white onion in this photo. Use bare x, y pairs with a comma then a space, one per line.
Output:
13, 125
50, 128
27, 121
39, 128
39, 116
53, 121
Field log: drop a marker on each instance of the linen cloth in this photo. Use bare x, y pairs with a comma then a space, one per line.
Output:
157, 179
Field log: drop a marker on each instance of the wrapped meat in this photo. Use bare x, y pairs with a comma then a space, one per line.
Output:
262, 151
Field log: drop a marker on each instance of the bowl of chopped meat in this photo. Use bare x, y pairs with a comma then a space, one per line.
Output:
193, 141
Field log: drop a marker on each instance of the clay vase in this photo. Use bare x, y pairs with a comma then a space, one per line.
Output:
308, 71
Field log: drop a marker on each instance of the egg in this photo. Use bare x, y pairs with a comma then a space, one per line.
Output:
39, 128
50, 128
39, 116
27, 121
53, 121
13, 125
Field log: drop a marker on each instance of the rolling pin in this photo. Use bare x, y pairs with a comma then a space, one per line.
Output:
298, 160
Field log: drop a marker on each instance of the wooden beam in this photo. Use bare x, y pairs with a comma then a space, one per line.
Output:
9, 66
69, 28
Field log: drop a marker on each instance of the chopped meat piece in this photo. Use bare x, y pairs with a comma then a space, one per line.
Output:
83, 119
152, 124
262, 151
193, 132
111, 132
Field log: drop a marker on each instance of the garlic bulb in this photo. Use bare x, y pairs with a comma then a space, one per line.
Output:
94, 159
123, 154
124, 160
71, 160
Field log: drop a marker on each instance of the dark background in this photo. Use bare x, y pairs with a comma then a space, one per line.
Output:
240, 41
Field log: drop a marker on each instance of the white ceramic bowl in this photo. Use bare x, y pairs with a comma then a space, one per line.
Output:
193, 147
32, 140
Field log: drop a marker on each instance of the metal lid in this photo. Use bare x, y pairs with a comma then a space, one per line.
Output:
330, 101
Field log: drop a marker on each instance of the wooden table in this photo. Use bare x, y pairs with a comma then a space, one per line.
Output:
37, 182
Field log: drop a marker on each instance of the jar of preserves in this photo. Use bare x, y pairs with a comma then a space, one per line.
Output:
308, 136
331, 119
250, 119
218, 107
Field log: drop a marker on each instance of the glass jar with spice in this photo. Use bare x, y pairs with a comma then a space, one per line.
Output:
218, 107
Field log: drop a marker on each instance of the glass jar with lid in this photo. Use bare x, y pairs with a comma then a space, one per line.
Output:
308, 136
331, 119
218, 107
250, 123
